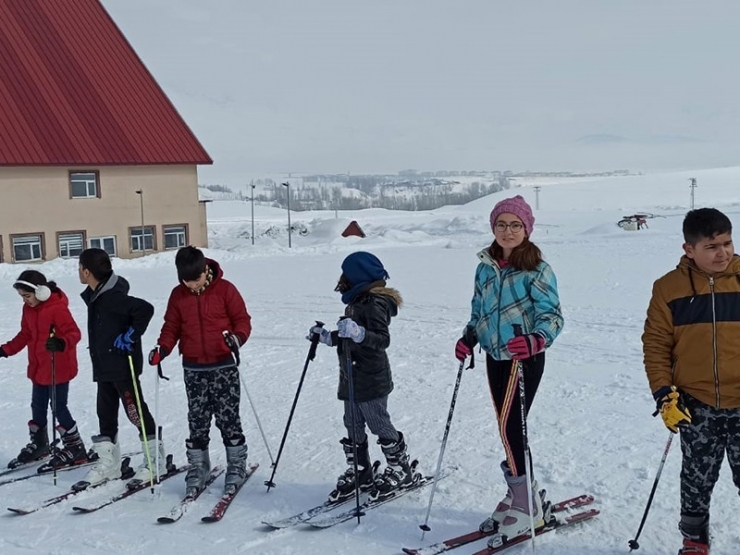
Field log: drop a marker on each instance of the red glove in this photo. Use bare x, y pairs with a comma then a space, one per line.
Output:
462, 350
156, 355
525, 346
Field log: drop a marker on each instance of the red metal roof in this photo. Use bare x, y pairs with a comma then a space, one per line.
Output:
74, 92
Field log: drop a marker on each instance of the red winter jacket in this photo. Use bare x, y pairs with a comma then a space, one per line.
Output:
198, 321
36, 323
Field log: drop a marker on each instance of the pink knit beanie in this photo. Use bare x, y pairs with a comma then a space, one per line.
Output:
517, 206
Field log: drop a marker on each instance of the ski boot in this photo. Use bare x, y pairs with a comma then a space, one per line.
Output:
398, 474
36, 449
200, 468
236, 466
107, 465
517, 520
695, 531
144, 471
492, 522
72, 454
366, 471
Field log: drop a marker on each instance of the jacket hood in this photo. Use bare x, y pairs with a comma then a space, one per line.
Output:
113, 283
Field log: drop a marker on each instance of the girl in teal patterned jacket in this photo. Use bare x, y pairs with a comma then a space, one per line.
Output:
514, 286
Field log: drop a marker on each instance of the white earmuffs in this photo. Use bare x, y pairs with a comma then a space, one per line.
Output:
42, 292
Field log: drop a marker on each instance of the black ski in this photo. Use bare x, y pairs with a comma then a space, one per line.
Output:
179, 510
219, 510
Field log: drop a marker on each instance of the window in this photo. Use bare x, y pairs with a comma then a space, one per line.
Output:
83, 185
142, 237
27, 248
70, 244
108, 244
175, 236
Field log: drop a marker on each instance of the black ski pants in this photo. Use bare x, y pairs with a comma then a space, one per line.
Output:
504, 386
110, 394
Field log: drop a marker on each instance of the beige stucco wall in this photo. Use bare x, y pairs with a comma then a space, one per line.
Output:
37, 200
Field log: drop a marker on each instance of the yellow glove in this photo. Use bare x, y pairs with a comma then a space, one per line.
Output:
672, 410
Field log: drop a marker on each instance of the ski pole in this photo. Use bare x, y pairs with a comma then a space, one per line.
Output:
53, 407
237, 359
425, 527
311, 355
633, 542
157, 429
517, 365
141, 421
346, 344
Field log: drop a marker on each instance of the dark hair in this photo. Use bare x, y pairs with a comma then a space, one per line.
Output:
97, 262
705, 223
527, 256
343, 285
35, 277
191, 263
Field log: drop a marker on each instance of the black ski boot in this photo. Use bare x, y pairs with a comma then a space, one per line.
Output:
398, 474
72, 454
695, 531
346, 482
36, 449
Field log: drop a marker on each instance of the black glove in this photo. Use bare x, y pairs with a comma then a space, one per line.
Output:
55, 345
469, 337
3, 354
232, 341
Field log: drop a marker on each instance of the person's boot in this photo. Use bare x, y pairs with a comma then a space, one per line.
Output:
397, 473
37, 448
502, 509
695, 531
365, 473
517, 520
108, 463
236, 466
72, 454
200, 468
143, 473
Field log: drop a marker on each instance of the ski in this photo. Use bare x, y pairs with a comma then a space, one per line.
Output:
126, 473
20, 467
39, 473
131, 490
452, 543
369, 504
554, 524
220, 508
179, 510
308, 514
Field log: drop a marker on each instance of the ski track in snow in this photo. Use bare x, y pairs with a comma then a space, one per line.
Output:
591, 426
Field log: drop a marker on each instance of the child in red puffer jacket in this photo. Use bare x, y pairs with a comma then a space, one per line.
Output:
50, 333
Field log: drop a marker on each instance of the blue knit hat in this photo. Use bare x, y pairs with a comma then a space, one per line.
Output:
361, 269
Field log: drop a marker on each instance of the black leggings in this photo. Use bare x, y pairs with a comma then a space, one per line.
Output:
109, 395
504, 385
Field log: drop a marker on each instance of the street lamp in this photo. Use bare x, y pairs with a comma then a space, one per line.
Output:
287, 184
140, 192
253, 214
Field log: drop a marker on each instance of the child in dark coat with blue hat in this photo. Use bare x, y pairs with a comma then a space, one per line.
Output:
364, 331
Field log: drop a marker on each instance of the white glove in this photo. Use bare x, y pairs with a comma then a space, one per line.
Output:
350, 329
323, 333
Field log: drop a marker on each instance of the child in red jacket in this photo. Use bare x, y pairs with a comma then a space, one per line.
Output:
208, 317
47, 329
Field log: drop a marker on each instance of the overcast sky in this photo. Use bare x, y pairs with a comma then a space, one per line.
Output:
385, 85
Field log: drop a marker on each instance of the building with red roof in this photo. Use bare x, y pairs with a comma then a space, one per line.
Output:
92, 152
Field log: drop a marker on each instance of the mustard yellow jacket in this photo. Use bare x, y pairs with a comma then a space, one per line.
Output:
692, 334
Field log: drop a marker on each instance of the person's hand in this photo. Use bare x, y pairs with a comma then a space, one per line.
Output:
232, 341
350, 329
323, 333
124, 343
465, 345
525, 346
55, 345
156, 355
672, 410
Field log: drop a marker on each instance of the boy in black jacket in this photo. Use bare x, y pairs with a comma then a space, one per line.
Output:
370, 307
115, 324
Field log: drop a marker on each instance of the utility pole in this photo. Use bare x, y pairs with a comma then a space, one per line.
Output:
252, 184
692, 187
287, 184
140, 192
537, 197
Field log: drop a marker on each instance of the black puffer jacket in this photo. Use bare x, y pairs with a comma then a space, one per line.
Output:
110, 312
371, 369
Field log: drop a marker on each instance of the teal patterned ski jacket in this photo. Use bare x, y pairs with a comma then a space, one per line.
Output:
505, 296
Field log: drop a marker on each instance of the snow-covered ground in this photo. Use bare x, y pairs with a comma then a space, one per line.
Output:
591, 429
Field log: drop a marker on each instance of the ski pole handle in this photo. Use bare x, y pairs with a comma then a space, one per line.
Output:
315, 341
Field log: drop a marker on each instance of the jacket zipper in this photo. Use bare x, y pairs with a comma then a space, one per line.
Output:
714, 343
200, 326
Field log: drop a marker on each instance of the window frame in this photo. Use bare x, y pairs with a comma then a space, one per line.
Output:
101, 238
80, 232
42, 245
186, 231
96, 173
133, 228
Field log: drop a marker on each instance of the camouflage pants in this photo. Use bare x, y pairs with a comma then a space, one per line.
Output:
214, 393
711, 434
